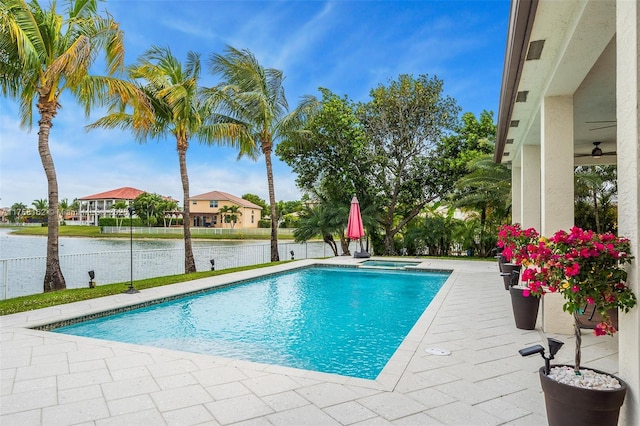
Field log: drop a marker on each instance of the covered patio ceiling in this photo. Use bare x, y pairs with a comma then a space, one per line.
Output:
578, 57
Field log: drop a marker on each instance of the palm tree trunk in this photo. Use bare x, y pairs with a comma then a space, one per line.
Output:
53, 278
595, 210
275, 257
189, 261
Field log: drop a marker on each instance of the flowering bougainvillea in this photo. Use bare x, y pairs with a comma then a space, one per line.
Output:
585, 267
515, 241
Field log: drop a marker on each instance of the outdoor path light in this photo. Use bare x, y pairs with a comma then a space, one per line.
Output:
213, 264
92, 275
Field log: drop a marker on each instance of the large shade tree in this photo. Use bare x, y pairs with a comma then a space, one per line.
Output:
43, 55
403, 123
253, 96
180, 110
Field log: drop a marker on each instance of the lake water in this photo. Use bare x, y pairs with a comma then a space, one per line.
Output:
18, 246
23, 259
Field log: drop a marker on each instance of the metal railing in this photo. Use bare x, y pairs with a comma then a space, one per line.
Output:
159, 230
24, 276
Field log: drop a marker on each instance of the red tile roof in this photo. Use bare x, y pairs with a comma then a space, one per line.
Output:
220, 196
125, 193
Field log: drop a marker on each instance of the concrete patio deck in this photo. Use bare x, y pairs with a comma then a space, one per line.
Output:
54, 379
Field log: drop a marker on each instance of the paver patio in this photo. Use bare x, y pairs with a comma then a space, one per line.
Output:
55, 379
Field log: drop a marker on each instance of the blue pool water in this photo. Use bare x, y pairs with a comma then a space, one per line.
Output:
347, 321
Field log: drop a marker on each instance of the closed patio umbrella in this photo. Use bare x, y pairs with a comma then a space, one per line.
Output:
355, 230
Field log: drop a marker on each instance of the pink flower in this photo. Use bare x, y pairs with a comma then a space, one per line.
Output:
600, 329
589, 299
575, 289
572, 270
526, 292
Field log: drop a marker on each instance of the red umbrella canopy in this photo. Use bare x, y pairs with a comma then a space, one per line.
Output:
355, 230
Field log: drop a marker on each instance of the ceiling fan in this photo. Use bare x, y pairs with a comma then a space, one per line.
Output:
602, 122
596, 152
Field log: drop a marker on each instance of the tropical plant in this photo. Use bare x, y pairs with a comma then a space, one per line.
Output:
40, 207
472, 138
253, 97
180, 109
319, 220
595, 190
45, 54
230, 214
486, 189
120, 210
17, 211
586, 268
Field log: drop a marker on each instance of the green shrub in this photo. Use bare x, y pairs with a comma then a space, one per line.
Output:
114, 221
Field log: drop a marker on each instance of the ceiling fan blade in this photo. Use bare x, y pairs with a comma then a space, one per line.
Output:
604, 127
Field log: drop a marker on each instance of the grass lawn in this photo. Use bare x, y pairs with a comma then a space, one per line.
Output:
37, 301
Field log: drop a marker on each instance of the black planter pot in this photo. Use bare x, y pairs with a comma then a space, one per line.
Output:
569, 405
525, 309
507, 269
501, 261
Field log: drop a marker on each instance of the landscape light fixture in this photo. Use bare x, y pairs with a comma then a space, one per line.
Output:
131, 289
292, 255
92, 275
213, 264
596, 152
554, 347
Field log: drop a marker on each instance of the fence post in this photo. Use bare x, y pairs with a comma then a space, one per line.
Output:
5, 278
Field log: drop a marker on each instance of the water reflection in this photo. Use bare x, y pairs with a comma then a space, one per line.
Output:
17, 246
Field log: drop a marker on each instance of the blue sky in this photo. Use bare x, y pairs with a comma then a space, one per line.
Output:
349, 47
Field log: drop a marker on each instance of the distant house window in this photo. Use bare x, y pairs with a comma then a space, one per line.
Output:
251, 217
194, 202
213, 204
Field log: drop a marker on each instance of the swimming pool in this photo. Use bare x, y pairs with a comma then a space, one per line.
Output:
347, 321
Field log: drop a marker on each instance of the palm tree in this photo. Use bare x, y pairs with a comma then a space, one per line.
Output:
486, 190
120, 208
45, 54
254, 96
41, 206
318, 220
230, 214
179, 109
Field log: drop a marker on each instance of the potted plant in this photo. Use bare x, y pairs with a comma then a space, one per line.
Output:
515, 243
587, 269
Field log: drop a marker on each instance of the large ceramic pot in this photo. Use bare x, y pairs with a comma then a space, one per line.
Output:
507, 269
525, 309
570, 405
